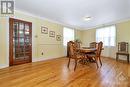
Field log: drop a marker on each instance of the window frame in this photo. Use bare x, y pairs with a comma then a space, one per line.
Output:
115, 37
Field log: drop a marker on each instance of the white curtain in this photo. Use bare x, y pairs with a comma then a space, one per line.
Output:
107, 35
68, 35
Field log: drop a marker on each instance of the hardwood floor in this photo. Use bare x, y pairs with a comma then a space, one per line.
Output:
54, 73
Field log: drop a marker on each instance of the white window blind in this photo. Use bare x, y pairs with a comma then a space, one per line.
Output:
68, 35
107, 35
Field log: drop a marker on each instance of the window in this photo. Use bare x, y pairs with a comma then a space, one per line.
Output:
107, 35
68, 35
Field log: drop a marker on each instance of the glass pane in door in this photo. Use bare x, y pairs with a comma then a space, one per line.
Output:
21, 30
21, 41
26, 29
18, 40
15, 39
27, 41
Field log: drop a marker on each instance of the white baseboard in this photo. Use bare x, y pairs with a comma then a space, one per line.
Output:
4, 66
33, 60
119, 58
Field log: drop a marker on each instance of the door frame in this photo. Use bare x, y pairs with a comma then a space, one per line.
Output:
11, 39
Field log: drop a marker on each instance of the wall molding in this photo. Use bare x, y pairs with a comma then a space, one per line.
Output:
73, 26
107, 24
50, 44
46, 19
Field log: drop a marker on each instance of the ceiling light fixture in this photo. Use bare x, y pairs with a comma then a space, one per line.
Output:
87, 18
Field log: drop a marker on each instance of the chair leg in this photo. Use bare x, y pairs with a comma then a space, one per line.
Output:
75, 64
100, 61
96, 62
117, 57
128, 58
69, 63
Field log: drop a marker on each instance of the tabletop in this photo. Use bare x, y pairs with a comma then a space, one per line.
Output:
87, 50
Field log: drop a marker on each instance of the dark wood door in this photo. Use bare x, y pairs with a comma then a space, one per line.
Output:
20, 38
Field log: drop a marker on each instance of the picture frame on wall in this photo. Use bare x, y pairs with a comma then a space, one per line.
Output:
44, 30
58, 37
52, 33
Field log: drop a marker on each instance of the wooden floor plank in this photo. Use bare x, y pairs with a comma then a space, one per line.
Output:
54, 73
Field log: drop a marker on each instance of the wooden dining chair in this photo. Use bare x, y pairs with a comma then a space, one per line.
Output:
77, 45
123, 50
93, 45
97, 55
74, 54
68, 48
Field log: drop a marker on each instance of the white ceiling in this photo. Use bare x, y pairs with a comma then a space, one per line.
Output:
71, 12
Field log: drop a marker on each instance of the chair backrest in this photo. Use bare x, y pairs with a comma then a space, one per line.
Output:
68, 48
123, 47
72, 50
77, 44
93, 45
99, 48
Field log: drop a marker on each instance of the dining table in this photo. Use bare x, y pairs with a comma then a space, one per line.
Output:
86, 51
